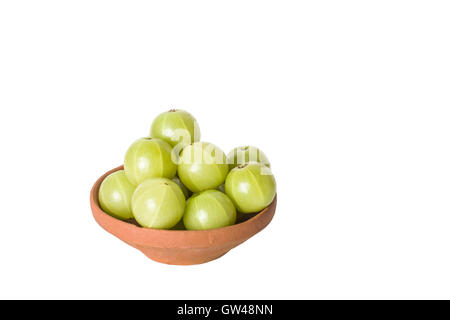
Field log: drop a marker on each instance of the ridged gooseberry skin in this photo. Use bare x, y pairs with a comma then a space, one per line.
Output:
209, 209
250, 187
149, 158
202, 166
175, 126
158, 203
115, 195
246, 154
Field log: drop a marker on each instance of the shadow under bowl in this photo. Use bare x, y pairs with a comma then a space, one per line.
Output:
179, 247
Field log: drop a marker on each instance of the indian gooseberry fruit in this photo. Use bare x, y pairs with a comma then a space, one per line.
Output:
115, 195
149, 158
175, 127
250, 187
158, 203
245, 154
202, 166
209, 209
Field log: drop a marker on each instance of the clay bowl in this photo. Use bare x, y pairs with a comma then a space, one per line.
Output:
180, 247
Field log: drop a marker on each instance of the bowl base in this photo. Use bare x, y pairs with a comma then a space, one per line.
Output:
183, 262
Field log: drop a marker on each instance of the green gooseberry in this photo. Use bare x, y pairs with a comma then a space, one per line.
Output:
202, 166
209, 209
245, 154
251, 187
158, 203
115, 195
149, 158
175, 127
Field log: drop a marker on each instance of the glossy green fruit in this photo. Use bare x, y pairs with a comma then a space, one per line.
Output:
158, 203
174, 127
149, 158
115, 195
246, 154
202, 166
186, 191
209, 209
250, 187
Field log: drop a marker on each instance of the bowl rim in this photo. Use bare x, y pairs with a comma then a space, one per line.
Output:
179, 238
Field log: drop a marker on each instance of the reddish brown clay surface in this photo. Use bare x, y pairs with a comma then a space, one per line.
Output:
178, 246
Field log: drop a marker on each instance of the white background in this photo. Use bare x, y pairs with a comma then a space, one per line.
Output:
349, 99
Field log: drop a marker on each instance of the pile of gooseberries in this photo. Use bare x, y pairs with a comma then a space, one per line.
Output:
171, 180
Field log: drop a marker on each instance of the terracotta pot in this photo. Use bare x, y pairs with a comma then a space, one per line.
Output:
179, 247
